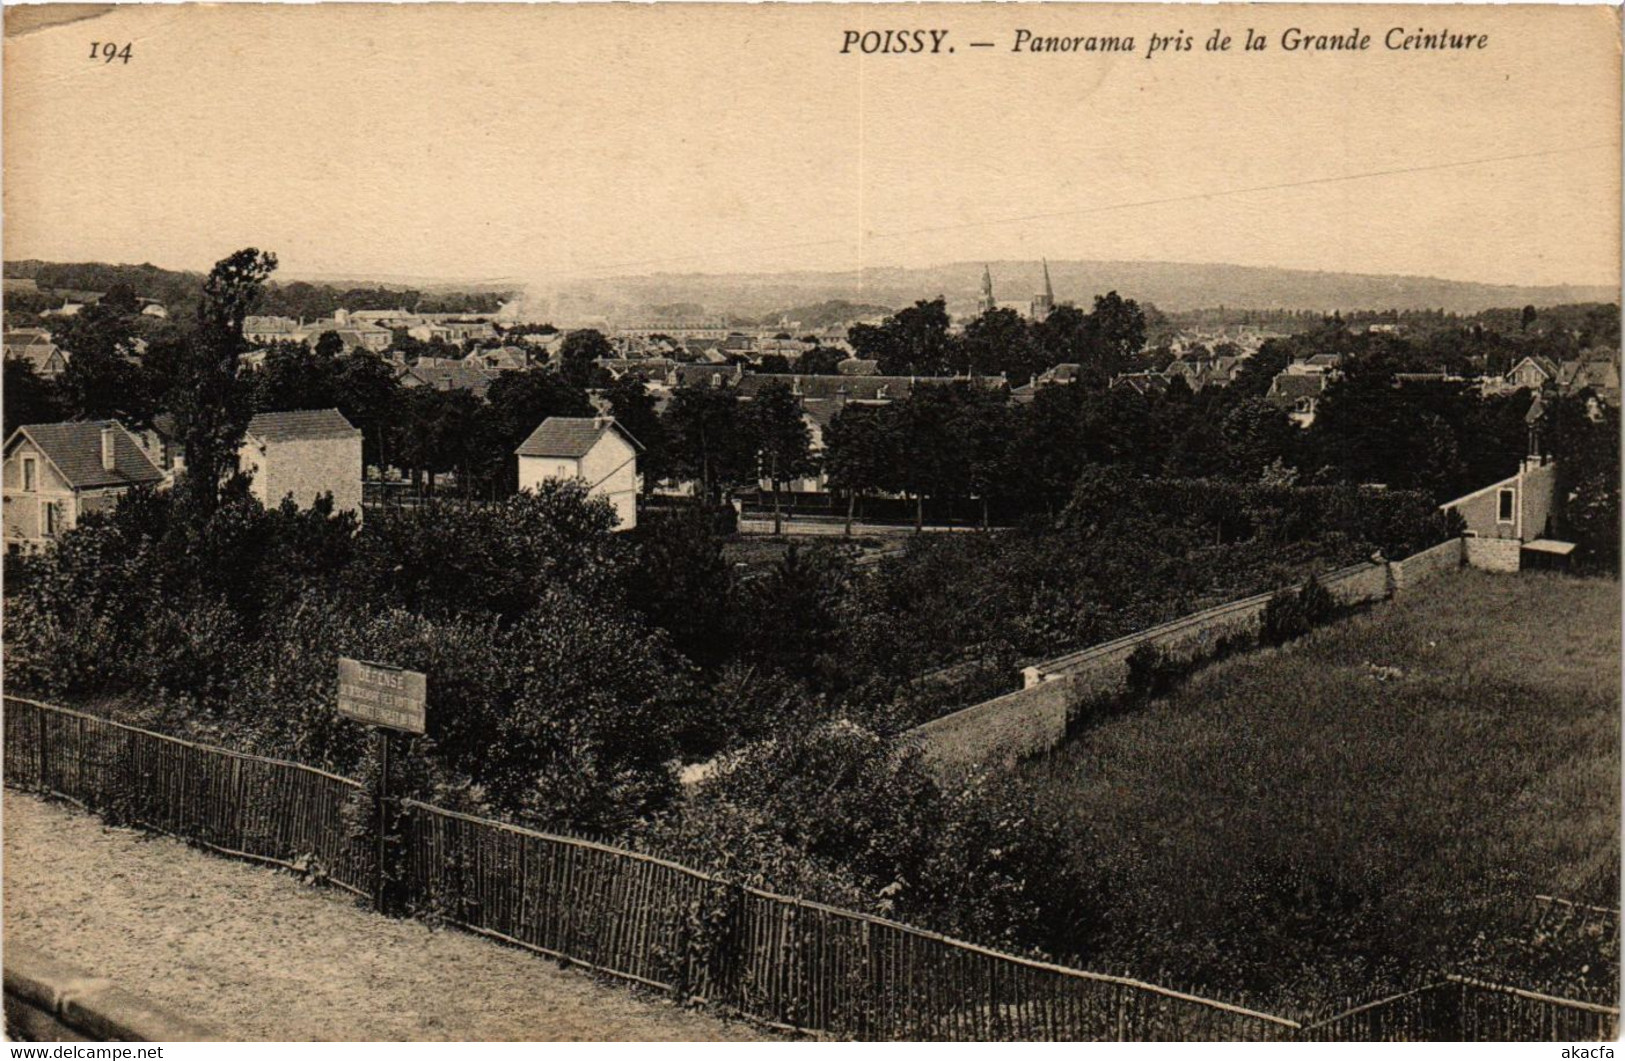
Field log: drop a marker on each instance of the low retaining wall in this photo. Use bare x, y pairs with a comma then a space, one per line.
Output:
51, 1001
1446, 556
1493, 554
1034, 719
1008, 727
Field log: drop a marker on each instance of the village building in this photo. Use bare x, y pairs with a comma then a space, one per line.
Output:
34, 346
1508, 525
445, 374
303, 454
1298, 393
594, 449
55, 473
1533, 372
258, 331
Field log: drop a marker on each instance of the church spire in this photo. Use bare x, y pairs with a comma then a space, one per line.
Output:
1044, 301
986, 304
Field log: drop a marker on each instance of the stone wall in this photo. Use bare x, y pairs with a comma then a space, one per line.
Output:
1446, 556
1034, 718
49, 1001
1009, 727
1493, 554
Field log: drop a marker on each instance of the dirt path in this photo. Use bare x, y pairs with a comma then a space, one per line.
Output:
262, 956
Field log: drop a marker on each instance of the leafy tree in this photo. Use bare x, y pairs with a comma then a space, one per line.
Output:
104, 379
121, 299
633, 407
29, 397
708, 440
1117, 327
591, 732
820, 361
1254, 435
366, 391
1047, 452
1583, 435
912, 342
295, 376
1000, 341
778, 430
774, 364
934, 454
446, 558
212, 409
579, 356
680, 580
861, 452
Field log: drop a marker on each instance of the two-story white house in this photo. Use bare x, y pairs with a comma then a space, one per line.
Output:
596, 450
55, 473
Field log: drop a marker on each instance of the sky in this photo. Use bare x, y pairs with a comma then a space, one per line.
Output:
538, 144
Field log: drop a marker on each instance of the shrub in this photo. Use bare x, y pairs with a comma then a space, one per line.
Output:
1289, 615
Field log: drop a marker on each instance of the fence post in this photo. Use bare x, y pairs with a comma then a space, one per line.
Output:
39, 710
380, 803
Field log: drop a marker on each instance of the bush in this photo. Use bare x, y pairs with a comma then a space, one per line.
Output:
1289, 615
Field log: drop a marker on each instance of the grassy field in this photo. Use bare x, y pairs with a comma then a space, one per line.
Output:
1381, 798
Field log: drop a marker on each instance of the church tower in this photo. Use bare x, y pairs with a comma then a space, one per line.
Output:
1044, 301
985, 304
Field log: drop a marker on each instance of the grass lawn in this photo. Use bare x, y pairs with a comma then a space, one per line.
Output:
1383, 797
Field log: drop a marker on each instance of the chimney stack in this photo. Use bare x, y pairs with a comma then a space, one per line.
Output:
108, 458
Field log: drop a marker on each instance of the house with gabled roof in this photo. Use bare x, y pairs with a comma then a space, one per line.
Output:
34, 345
55, 473
303, 454
594, 449
1298, 394
1533, 372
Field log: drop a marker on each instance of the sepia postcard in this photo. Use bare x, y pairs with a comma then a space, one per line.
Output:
840, 522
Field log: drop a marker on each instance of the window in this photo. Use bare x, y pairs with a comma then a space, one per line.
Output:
1504, 502
51, 519
29, 481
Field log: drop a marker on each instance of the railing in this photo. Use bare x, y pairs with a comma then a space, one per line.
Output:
783, 961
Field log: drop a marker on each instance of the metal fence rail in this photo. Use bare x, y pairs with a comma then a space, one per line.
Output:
787, 962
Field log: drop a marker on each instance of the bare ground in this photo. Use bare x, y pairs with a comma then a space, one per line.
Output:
261, 956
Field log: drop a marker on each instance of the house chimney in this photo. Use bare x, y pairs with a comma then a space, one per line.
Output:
108, 458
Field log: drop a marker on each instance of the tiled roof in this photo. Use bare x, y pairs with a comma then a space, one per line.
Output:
858, 366
569, 436
301, 425
38, 351
75, 449
451, 375
1289, 386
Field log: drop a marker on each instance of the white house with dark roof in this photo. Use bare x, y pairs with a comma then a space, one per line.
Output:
594, 449
303, 454
55, 473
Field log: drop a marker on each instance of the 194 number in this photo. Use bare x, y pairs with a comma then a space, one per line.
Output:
108, 51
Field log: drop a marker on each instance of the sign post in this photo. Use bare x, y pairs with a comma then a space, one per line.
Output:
386, 698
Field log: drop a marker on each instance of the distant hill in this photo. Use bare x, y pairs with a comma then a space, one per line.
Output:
829, 314
286, 296
1172, 286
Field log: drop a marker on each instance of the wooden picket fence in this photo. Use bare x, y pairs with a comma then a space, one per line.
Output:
786, 962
